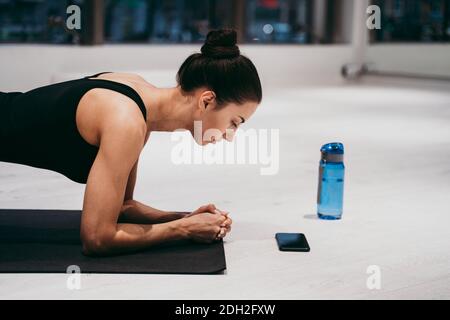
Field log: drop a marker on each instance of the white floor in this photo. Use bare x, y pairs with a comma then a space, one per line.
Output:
396, 210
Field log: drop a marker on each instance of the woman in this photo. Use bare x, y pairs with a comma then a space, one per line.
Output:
93, 130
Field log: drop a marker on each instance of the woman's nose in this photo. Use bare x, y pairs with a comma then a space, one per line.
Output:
215, 139
229, 135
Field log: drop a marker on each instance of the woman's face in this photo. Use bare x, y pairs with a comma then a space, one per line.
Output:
215, 125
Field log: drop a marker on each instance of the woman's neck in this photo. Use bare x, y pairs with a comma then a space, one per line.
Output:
167, 109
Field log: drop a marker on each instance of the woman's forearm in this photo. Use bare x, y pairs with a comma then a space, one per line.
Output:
136, 212
134, 237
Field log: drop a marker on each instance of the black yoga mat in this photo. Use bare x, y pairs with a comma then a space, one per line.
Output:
48, 241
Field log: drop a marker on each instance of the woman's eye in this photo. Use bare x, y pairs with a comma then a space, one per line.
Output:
234, 125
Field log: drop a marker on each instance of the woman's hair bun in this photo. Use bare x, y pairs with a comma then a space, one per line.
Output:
221, 44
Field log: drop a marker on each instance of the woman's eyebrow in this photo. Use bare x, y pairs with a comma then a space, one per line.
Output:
243, 120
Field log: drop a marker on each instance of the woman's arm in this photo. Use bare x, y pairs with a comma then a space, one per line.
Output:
133, 211
131, 182
104, 194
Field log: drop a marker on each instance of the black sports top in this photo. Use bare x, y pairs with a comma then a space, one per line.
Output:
38, 127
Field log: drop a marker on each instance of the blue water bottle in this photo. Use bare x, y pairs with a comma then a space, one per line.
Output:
330, 192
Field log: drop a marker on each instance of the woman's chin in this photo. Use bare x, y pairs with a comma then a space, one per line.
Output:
202, 142
205, 142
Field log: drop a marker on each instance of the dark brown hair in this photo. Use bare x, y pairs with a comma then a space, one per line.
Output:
220, 67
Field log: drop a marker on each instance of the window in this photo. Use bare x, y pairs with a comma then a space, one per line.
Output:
414, 21
38, 21
172, 21
188, 21
278, 21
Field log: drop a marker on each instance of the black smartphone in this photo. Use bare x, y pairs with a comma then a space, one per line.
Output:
292, 242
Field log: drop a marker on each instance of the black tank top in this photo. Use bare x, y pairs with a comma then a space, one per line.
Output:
38, 127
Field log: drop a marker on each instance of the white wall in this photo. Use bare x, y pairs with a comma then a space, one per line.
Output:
24, 67
431, 59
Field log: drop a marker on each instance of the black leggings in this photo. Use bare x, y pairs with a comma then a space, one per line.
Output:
5, 99
5, 102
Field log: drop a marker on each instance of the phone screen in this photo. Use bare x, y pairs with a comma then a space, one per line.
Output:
292, 242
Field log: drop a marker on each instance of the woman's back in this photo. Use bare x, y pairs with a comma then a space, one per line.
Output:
39, 128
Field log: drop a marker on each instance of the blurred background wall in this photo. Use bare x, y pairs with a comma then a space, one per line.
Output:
292, 42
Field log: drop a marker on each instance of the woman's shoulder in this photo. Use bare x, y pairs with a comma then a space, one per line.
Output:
134, 81
125, 77
121, 104
102, 108
122, 121
120, 109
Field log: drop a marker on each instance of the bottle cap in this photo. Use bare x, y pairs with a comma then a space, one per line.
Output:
332, 152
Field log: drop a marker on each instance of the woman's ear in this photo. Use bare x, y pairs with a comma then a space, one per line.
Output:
208, 97
202, 104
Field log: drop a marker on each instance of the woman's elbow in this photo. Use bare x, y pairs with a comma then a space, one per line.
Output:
96, 244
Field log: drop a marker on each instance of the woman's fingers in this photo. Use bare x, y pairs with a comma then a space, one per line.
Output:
202, 209
226, 226
221, 233
206, 208
227, 229
222, 212
213, 209
224, 220
210, 207
227, 222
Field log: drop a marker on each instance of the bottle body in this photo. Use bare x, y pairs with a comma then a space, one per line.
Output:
330, 193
